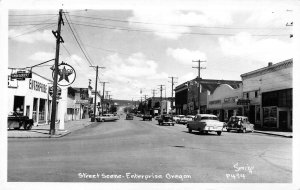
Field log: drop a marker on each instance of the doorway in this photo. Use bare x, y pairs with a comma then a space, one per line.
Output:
283, 120
19, 104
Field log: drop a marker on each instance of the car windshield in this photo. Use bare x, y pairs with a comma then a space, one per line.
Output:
234, 119
209, 118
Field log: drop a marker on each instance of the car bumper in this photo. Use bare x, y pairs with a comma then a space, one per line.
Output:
212, 128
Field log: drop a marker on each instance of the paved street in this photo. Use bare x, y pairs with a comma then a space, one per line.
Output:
142, 151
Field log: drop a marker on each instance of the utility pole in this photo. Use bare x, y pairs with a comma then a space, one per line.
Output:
96, 84
59, 39
145, 104
153, 92
161, 89
102, 101
199, 68
172, 82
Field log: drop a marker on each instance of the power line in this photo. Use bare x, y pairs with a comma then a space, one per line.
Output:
31, 31
33, 15
153, 31
78, 41
173, 25
29, 24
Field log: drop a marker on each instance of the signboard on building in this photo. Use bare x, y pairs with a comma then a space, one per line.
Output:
21, 74
230, 99
82, 102
243, 102
215, 102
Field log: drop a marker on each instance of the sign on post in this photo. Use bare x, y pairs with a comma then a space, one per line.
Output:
66, 74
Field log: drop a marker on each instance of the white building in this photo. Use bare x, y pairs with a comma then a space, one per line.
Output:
270, 91
223, 102
31, 96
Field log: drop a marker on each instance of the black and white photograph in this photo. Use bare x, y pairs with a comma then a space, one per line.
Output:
157, 95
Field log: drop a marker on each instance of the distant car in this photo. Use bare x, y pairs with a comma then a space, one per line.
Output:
239, 124
176, 118
129, 116
147, 117
185, 119
139, 115
157, 117
165, 119
106, 117
205, 123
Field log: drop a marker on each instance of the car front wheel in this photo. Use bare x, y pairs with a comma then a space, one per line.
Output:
219, 133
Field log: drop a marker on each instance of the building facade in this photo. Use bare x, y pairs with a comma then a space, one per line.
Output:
186, 94
270, 91
31, 96
223, 102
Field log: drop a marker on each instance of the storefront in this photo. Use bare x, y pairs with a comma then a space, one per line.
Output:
277, 109
224, 102
31, 97
270, 91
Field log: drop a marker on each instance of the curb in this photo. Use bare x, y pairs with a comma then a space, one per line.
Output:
266, 133
56, 136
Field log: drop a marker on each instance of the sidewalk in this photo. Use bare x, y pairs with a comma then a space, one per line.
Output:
276, 133
42, 131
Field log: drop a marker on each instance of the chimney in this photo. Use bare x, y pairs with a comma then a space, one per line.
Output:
270, 64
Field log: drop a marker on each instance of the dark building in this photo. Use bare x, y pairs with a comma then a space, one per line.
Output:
186, 94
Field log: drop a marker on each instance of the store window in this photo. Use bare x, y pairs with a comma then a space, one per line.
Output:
257, 114
270, 117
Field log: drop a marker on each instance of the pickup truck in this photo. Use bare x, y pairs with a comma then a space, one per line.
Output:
16, 121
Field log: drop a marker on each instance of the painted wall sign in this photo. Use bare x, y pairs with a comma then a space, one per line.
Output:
37, 86
66, 74
230, 99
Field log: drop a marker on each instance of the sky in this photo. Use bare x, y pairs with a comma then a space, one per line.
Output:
141, 48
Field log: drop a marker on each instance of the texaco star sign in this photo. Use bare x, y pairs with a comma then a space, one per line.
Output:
66, 74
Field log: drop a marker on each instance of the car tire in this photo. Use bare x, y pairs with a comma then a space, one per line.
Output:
219, 133
244, 130
172, 124
228, 130
190, 130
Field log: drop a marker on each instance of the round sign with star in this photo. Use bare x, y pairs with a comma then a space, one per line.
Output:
66, 74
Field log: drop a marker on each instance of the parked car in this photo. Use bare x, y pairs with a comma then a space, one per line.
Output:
205, 123
139, 115
157, 117
16, 121
240, 124
185, 119
106, 117
129, 116
166, 119
176, 118
147, 117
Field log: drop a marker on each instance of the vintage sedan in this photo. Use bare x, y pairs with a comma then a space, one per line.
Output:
184, 120
176, 118
106, 117
205, 123
166, 119
239, 124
